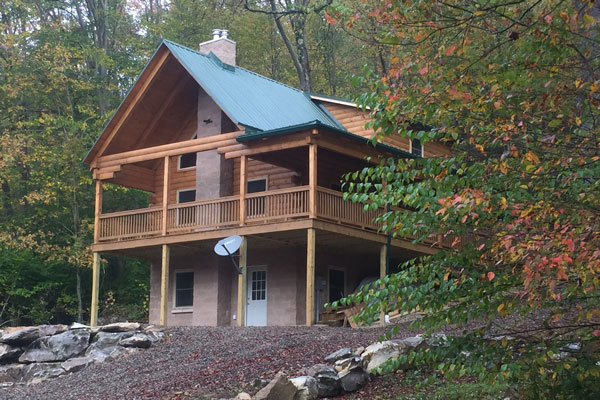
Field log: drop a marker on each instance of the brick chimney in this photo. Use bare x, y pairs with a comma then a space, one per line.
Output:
221, 46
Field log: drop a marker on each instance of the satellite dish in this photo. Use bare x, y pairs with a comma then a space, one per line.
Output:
228, 246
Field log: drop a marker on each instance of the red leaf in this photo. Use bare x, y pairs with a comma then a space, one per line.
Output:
490, 275
424, 70
596, 332
570, 245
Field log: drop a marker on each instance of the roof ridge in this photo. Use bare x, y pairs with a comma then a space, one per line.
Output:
234, 66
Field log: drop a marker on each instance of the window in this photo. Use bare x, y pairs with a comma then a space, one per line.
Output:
187, 195
257, 185
259, 285
187, 161
184, 289
416, 148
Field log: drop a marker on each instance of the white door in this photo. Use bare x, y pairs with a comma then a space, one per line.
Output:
256, 308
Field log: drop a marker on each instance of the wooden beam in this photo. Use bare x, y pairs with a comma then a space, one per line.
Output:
349, 150
272, 144
97, 210
382, 274
145, 83
164, 285
165, 202
312, 180
243, 187
137, 177
105, 171
95, 289
310, 276
242, 282
152, 153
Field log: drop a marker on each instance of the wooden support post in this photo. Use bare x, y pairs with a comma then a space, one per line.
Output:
382, 274
164, 285
312, 180
95, 289
165, 205
242, 282
243, 187
97, 211
310, 277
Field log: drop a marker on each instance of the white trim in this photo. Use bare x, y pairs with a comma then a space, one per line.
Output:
410, 147
336, 101
249, 271
216, 40
185, 190
184, 309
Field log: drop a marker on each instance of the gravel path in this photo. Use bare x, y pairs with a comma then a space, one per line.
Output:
202, 363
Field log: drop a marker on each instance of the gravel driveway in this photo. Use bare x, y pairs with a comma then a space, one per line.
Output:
202, 363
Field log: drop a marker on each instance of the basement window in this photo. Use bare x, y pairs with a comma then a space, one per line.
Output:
184, 289
416, 148
187, 161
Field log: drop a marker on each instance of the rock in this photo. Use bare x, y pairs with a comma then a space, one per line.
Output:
121, 327
8, 352
359, 350
328, 382
243, 396
377, 354
11, 372
260, 383
280, 388
353, 378
338, 355
49, 330
414, 342
41, 371
77, 325
58, 347
306, 386
106, 345
347, 363
76, 364
138, 339
21, 337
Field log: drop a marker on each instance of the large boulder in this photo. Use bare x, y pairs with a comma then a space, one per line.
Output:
41, 371
9, 353
57, 348
22, 337
307, 388
280, 388
347, 363
49, 330
106, 345
11, 373
353, 378
121, 327
328, 381
138, 339
379, 353
339, 354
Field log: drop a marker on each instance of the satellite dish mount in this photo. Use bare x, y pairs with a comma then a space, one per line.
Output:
227, 247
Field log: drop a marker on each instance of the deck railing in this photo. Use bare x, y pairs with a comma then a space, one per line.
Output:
263, 207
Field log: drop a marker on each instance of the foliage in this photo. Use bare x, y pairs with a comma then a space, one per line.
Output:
512, 88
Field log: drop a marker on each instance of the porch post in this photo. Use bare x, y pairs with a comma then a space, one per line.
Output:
164, 285
310, 277
242, 281
312, 180
382, 273
165, 205
243, 187
97, 210
95, 289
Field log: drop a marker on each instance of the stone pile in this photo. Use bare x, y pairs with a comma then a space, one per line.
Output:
36, 353
347, 371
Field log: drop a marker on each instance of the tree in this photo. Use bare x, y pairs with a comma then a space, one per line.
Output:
512, 87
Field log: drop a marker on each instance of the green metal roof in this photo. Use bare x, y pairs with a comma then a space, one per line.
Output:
248, 98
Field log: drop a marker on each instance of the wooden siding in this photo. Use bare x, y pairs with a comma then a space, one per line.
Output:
277, 177
354, 120
179, 180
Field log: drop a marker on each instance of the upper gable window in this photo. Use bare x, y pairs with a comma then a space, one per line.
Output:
187, 161
416, 147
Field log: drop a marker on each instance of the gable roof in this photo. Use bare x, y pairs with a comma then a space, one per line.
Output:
249, 99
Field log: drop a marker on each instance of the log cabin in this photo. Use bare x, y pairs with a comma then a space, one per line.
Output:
224, 151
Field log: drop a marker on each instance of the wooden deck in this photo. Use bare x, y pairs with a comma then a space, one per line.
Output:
224, 213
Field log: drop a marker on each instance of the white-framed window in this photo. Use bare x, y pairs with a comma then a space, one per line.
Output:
186, 195
416, 147
187, 161
183, 293
257, 185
